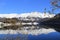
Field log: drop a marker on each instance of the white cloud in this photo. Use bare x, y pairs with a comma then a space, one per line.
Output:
8, 15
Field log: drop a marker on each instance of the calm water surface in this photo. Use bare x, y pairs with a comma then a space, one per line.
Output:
49, 36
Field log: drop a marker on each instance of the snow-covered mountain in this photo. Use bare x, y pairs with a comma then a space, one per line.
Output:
32, 30
37, 14
32, 14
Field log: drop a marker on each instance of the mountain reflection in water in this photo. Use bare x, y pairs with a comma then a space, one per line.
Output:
50, 36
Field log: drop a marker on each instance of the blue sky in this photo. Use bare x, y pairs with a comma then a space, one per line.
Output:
23, 6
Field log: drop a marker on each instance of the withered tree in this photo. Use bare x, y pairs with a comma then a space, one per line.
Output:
55, 5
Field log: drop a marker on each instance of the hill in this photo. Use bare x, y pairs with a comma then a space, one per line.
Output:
53, 22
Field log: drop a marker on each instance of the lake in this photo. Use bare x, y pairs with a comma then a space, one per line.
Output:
49, 36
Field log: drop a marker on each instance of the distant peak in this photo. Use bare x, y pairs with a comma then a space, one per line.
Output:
32, 14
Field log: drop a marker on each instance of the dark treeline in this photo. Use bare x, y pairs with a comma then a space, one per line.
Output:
52, 22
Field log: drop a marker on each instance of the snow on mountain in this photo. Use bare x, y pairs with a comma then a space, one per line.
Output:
32, 14
36, 14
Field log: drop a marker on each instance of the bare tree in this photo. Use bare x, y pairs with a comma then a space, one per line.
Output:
55, 5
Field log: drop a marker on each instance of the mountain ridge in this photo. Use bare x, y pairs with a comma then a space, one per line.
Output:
32, 14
